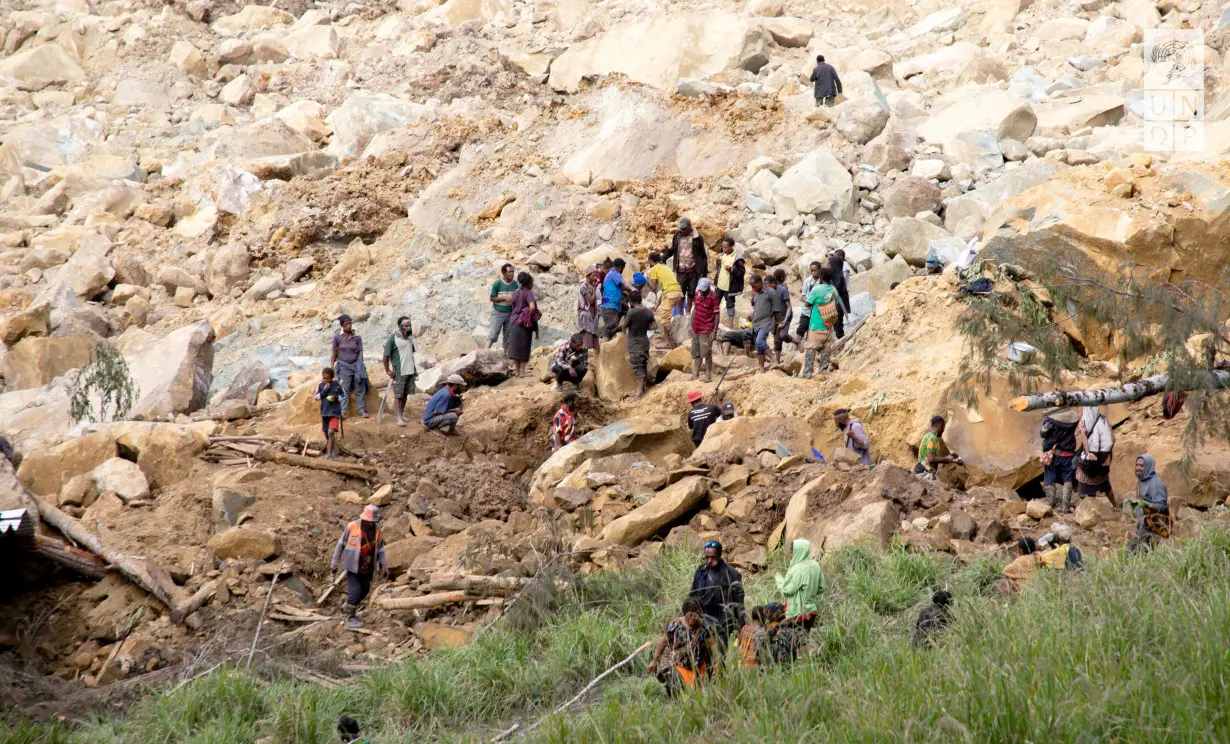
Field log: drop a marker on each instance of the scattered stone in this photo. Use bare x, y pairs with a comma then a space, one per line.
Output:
238, 543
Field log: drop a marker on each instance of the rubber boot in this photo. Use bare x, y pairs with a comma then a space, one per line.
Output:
1067, 498
1050, 495
352, 616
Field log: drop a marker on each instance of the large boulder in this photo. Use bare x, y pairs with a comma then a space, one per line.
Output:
951, 58
752, 435
364, 115
40, 66
911, 238
878, 280
911, 195
266, 138
238, 543
818, 184
33, 321
650, 434
123, 478
862, 122
1092, 109
600, 254
166, 453
250, 19
660, 50
36, 361
172, 373
977, 149
457, 12
614, 378
228, 267
45, 471
1003, 113
401, 554
89, 271
662, 511
479, 367
247, 384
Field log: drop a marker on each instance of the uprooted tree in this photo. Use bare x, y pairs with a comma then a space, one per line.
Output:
1159, 324
104, 390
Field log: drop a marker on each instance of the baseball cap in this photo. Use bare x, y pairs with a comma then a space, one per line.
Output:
638, 279
371, 513
695, 396
455, 380
703, 284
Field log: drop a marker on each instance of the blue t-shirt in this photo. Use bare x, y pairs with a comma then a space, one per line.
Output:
613, 290
439, 403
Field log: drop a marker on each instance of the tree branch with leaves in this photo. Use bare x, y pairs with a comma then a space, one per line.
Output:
104, 389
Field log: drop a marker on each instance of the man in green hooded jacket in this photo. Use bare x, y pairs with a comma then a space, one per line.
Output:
802, 585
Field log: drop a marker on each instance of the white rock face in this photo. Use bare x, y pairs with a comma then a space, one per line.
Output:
250, 19
662, 49
123, 478
39, 67
818, 184
364, 115
940, 21
948, 59
1002, 113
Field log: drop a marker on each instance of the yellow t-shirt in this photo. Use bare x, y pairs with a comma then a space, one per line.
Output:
727, 263
665, 278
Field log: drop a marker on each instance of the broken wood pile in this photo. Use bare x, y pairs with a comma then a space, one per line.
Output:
453, 588
293, 450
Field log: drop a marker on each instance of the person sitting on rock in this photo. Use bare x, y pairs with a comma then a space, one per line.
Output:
857, 440
801, 586
638, 323
1022, 569
701, 416
933, 618
332, 399
690, 651
718, 586
929, 457
1150, 505
564, 424
571, 362
360, 551
444, 408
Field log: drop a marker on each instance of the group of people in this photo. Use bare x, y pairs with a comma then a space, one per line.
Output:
693, 645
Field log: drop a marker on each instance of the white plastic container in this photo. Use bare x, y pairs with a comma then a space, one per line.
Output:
1020, 352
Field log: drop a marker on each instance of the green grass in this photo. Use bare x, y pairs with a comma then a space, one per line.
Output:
1135, 649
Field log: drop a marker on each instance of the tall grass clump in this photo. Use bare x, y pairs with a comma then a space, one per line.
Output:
1133, 649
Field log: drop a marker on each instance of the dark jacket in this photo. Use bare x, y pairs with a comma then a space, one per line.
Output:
698, 249
826, 81
720, 592
737, 275
1058, 435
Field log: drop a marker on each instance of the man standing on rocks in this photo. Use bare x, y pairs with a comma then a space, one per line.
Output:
857, 440
639, 322
613, 287
663, 283
719, 588
827, 84
777, 283
729, 280
587, 307
766, 317
1059, 459
444, 408
399, 366
501, 306
822, 299
361, 553
705, 309
690, 261
701, 416
347, 359
837, 264
809, 283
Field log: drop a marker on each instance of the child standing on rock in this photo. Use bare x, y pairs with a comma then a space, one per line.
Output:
332, 402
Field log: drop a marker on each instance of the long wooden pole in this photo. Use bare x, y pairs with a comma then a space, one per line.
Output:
150, 580
1128, 391
354, 470
427, 601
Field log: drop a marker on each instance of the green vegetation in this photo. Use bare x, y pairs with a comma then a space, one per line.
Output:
105, 389
1135, 649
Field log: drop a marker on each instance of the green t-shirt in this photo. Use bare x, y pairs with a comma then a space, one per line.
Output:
390, 350
821, 294
503, 290
930, 445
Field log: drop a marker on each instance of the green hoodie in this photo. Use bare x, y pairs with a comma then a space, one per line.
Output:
803, 583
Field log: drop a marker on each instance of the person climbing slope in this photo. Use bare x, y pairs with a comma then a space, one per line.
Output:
687, 653
360, 551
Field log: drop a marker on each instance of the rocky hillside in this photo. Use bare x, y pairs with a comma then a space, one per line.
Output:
205, 186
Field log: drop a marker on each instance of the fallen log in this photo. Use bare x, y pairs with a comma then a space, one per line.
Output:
198, 600
86, 564
1129, 391
149, 576
479, 585
424, 602
353, 470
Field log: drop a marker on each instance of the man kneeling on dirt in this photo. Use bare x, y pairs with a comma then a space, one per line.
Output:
444, 408
361, 552
692, 647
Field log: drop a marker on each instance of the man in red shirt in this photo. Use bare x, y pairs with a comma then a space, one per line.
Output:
705, 309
